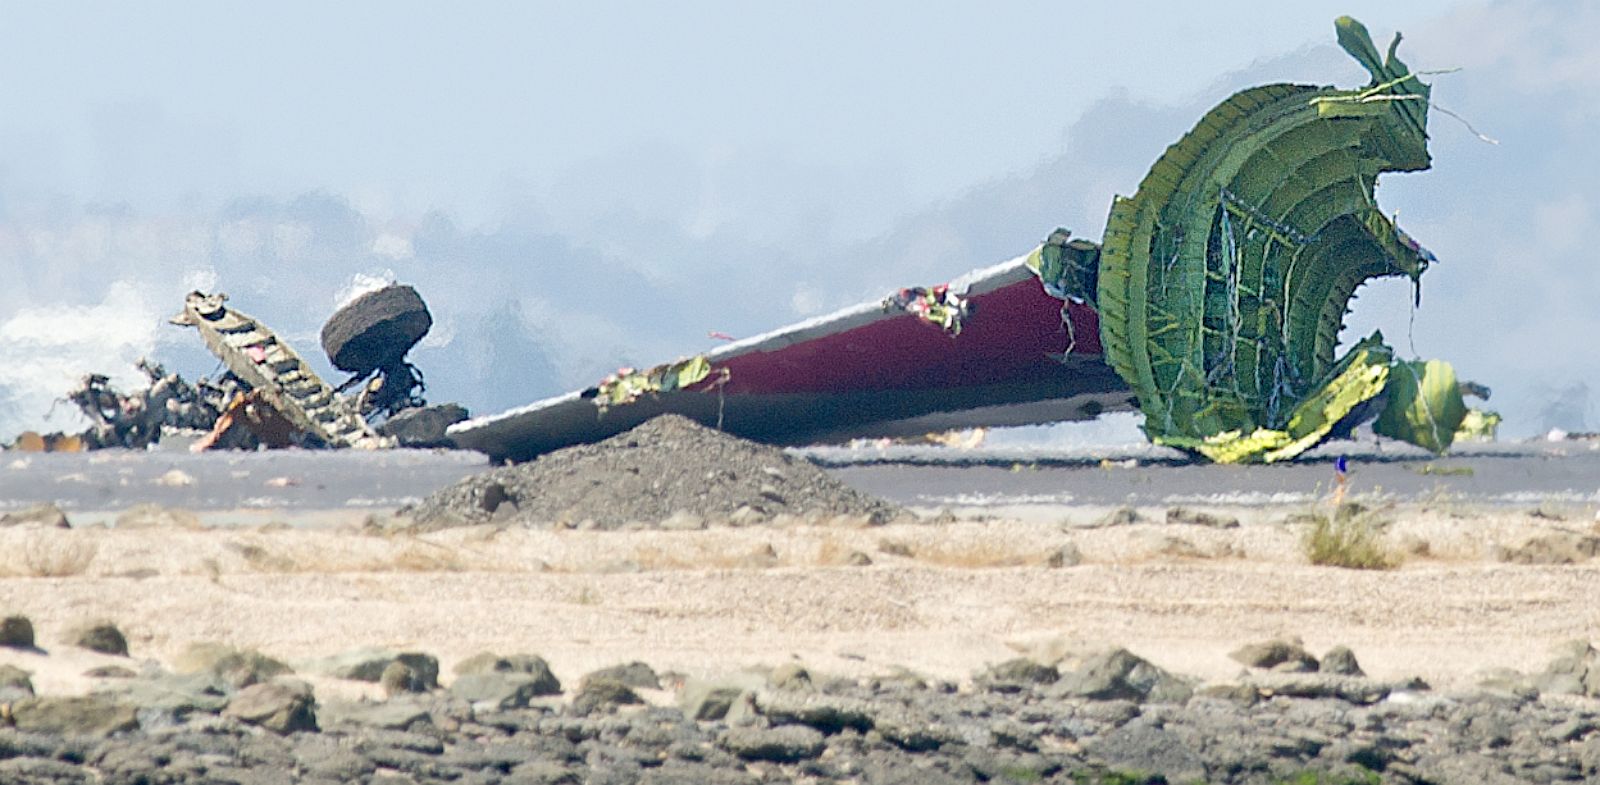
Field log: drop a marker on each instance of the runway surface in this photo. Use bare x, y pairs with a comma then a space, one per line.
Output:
1523, 473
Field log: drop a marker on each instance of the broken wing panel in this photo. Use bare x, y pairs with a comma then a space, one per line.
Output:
1225, 279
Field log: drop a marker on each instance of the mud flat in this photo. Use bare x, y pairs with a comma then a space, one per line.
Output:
835, 639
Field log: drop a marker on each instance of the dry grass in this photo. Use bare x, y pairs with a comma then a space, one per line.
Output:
57, 555
982, 553
1351, 538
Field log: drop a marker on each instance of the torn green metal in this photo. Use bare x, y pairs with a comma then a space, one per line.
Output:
1479, 425
628, 385
1068, 268
1224, 281
1424, 405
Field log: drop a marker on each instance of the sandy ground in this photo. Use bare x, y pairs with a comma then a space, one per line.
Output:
943, 599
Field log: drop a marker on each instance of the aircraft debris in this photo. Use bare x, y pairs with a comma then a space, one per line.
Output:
1213, 305
268, 396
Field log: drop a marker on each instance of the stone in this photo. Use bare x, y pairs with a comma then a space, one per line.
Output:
783, 744
1184, 515
710, 699
497, 690
1118, 674
238, 667
102, 637
1354, 689
683, 520
45, 514
282, 706
16, 632
1275, 653
1067, 555
89, 715
369, 663
397, 714
1016, 674
634, 674
15, 683
790, 676
827, 713
399, 678
532, 665
423, 426
1340, 660
169, 700
1122, 516
1141, 747
603, 692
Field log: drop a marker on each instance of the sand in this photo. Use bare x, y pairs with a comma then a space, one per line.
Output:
942, 598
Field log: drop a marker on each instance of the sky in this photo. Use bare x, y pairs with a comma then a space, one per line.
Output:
578, 186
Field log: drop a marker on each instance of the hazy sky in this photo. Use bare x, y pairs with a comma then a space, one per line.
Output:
602, 183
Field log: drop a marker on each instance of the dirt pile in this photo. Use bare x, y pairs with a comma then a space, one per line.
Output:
669, 470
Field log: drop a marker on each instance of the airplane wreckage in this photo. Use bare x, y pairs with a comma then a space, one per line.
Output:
1213, 305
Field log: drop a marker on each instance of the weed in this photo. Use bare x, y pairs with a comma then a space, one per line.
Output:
57, 557
1349, 539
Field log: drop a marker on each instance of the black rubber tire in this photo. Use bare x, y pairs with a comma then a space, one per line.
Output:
376, 329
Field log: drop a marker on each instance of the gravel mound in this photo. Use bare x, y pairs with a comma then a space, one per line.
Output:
667, 468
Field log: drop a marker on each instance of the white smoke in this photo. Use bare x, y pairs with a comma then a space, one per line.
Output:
46, 350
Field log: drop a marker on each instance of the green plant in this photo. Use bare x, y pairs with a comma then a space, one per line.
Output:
1350, 539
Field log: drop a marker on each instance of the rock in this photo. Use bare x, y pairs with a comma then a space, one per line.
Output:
1574, 670
154, 516
102, 637
497, 690
1017, 674
634, 674
683, 520
710, 699
1275, 653
1340, 660
545, 682
783, 744
423, 426
1141, 747
1242, 694
15, 683
1190, 517
1118, 674
596, 693
1122, 516
399, 678
827, 713
1066, 556
90, 715
396, 714
238, 667
790, 676
169, 700
16, 632
45, 514
282, 706
1354, 689
368, 664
